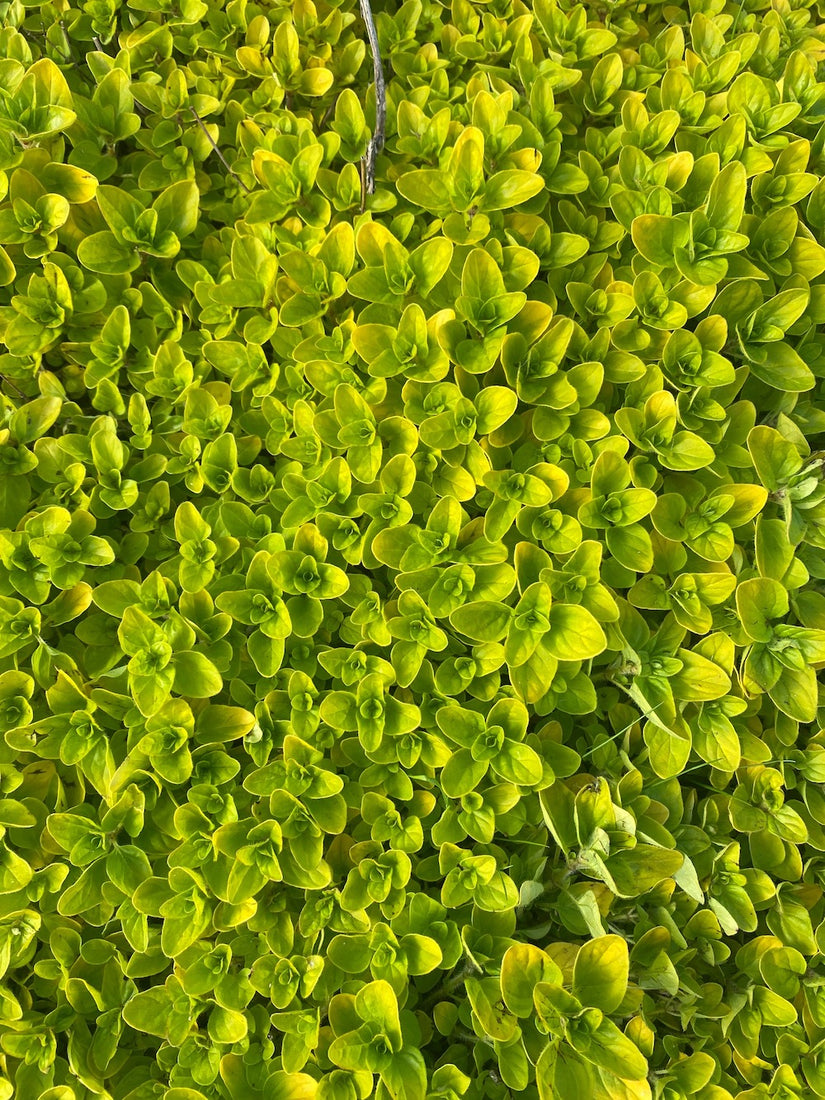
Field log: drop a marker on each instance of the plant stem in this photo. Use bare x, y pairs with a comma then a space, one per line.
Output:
72, 56
448, 985
362, 171
214, 145
376, 143
8, 382
325, 116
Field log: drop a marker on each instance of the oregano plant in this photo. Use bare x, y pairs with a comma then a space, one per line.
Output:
412, 550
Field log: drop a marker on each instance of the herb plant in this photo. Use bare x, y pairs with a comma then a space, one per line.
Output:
412, 550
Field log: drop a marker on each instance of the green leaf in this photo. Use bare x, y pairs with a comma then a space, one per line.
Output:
637, 870
600, 973
33, 420
561, 1072
422, 953
196, 676
759, 601
406, 1076
780, 366
483, 995
775, 458
481, 278
726, 198
524, 965
281, 1085
611, 1050
484, 621
657, 237
462, 774
574, 634
426, 187
518, 764
104, 253
177, 208
148, 1011
504, 190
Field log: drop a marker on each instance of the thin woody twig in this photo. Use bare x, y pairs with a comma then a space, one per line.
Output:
377, 140
73, 58
325, 115
214, 145
362, 171
14, 386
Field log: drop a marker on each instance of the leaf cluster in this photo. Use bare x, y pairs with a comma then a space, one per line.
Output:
411, 602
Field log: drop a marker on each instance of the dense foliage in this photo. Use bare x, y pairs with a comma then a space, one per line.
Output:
411, 597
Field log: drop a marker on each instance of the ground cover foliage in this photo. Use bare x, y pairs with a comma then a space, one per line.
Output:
411, 589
